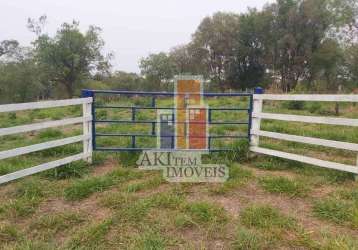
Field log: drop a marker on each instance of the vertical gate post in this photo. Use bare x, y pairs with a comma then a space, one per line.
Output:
87, 125
256, 122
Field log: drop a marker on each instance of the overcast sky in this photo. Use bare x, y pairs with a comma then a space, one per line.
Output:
132, 28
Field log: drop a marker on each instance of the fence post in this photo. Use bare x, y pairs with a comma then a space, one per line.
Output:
256, 122
356, 176
87, 126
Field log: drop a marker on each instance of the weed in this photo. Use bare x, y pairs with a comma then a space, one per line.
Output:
247, 239
284, 185
51, 224
123, 174
183, 220
101, 114
237, 177
9, 233
340, 242
336, 210
116, 200
29, 189
167, 200
62, 150
19, 207
265, 217
49, 134
136, 211
11, 116
315, 107
91, 237
150, 240
293, 105
127, 159
148, 184
26, 197
77, 169
85, 187
204, 212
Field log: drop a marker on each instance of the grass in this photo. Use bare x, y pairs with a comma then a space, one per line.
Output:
238, 176
321, 175
333, 210
137, 210
51, 224
25, 199
90, 237
284, 185
150, 240
154, 182
83, 188
77, 169
206, 213
340, 208
9, 233
248, 239
265, 217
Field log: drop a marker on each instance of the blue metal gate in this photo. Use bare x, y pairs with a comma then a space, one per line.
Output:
106, 99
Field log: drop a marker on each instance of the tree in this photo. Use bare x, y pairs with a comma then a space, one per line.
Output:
351, 62
157, 68
215, 40
8, 47
189, 60
19, 81
70, 56
246, 68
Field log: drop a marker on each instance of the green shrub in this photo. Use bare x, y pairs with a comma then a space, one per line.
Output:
75, 169
101, 114
11, 116
293, 105
314, 107
49, 133
127, 159
239, 152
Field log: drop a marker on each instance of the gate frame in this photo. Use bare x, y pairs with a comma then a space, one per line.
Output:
92, 93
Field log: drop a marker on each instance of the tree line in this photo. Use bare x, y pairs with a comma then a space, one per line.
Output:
289, 45
311, 43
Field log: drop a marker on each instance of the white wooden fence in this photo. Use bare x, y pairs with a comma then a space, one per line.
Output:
86, 136
256, 132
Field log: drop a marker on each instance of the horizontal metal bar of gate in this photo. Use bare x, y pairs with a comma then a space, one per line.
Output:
168, 108
151, 122
145, 93
154, 135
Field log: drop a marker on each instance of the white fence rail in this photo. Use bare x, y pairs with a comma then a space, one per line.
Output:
256, 132
86, 137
